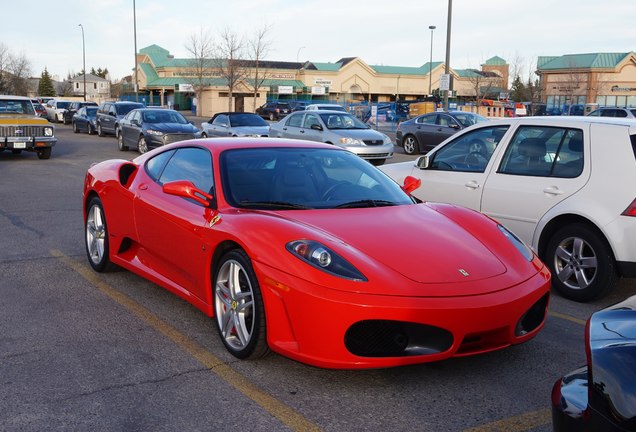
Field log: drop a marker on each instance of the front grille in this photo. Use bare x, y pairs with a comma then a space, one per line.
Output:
22, 131
374, 142
171, 138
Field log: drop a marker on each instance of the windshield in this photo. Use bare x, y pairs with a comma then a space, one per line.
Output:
126, 108
469, 119
63, 105
8, 106
238, 120
305, 178
342, 121
163, 116
91, 112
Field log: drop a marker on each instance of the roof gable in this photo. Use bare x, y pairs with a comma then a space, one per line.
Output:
582, 61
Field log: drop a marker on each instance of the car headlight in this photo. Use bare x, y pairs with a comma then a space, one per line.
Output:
387, 140
48, 131
154, 132
350, 141
323, 258
516, 241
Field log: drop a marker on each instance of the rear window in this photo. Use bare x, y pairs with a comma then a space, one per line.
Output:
633, 139
126, 108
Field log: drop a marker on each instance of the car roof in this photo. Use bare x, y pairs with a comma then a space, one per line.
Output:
12, 97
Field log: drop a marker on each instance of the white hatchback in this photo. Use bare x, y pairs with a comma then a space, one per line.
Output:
565, 185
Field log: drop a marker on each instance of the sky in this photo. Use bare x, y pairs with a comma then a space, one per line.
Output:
384, 32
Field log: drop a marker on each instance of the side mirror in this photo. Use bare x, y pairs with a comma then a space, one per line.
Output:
423, 162
135, 122
187, 189
411, 183
316, 127
453, 126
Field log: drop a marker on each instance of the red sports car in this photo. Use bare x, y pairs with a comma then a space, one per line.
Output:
309, 251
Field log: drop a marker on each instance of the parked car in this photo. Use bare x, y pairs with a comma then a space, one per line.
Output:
556, 182
331, 107
614, 112
421, 134
274, 110
85, 120
600, 395
110, 113
22, 130
55, 110
237, 124
147, 128
339, 128
298, 105
72, 109
269, 237
40, 110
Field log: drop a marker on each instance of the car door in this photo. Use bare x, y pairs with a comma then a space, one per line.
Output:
457, 172
424, 129
312, 120
291, 126
172, 229
128, 130
446, 126
541, 167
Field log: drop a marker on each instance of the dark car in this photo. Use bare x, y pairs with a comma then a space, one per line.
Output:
236, 124
72, 109
110, 113
84, 120
601, 395
422, 133
298, 105
614, 112
148, 128
274, 110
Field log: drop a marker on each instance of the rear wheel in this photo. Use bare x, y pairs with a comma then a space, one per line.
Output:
120, 143
100, 132
75, 128
411, 146
204, 135
44, 153
96, 237
582, 264
238, 307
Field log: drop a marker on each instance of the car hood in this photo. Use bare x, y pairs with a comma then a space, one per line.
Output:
414, 240
172, 127
251, 130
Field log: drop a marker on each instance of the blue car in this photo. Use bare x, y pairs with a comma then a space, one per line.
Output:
84, 120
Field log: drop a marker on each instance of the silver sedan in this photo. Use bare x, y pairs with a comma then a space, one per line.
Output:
339, 128
236, 124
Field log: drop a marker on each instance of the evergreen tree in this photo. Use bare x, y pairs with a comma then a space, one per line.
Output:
518, 90
45, 88
93, 71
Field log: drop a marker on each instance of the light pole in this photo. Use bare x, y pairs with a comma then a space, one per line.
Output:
298, 53
430, 63
83, 59
135, 35
448, 42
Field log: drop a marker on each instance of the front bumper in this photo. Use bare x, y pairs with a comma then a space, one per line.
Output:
335, 329
26, 143
383, 151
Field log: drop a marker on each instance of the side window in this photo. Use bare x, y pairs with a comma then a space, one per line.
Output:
544, 152
444, 120
427, 119
310, 120
222, 119
295, 120
470, 152
155, 165
190, 163
596, 113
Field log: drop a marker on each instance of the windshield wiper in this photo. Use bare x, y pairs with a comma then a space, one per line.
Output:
273, 205
367, 203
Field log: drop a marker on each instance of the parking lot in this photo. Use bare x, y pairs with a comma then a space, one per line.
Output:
88, 351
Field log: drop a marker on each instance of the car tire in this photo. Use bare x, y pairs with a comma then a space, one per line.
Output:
96, 237
120, 143
142, 145
75, 129
100, 132
377, 162
44, 153
582, 263
238, 307
90, 129
411, 145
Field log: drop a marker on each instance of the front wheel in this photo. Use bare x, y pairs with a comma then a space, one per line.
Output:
142, 145
582, 264
410, 144
75, 128
96, 237
100, 132
44, 153
238, 307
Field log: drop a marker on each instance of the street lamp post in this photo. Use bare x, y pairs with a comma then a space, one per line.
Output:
448, 42
430, 63
298, 53
84, 59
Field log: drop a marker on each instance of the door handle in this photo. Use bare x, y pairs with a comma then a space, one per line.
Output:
553, 190
143, 186
472, 185
302, 131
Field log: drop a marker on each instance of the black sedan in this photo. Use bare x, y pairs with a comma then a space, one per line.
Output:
73, 107
84, 120
601, 396
146, 128
235, 124
421, 134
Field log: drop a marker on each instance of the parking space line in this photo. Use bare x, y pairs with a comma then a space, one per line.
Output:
286, 414
567, 318
520, 423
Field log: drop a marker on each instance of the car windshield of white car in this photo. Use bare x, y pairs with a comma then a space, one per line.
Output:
304, 178
342, 121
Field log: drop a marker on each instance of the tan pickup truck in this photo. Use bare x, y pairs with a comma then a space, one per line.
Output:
22, 130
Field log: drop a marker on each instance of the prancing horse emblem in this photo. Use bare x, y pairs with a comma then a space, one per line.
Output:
464, 272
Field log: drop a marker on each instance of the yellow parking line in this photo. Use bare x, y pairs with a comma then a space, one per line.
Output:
567, 318
287, 415
520, 423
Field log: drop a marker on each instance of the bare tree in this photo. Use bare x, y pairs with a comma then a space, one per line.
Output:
258, 48
201, 47
230, 62
483, 84
14, 72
